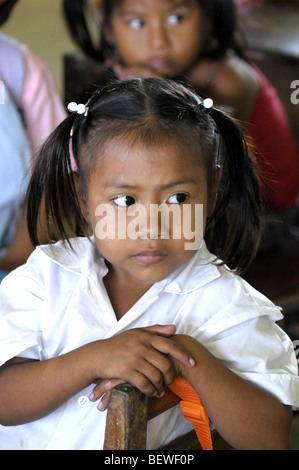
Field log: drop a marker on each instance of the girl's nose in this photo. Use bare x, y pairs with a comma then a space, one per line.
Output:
149, 223
158, 36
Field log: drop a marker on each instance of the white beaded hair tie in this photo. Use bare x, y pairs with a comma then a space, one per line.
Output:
205, 107
77, 108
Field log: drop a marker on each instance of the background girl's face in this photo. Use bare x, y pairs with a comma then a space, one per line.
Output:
163, 35
131, 174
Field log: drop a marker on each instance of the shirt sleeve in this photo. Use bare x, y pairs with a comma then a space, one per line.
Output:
21, 316
42, 106
260, 352
244, 335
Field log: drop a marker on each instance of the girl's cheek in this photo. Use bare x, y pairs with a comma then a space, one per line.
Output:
105, 222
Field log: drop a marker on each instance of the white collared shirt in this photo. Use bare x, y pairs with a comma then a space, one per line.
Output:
62, 304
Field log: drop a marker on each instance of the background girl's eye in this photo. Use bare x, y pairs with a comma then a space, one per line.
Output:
178, 198
175, 19
136, 23
124, 201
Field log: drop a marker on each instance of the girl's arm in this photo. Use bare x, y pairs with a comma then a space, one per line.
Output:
230, 82
20, 248
246, 416
30, 390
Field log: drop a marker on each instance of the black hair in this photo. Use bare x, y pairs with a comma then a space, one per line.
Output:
150, 110
5, 10
220, 14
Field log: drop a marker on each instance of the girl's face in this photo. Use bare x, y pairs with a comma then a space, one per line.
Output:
128, 184
162, 35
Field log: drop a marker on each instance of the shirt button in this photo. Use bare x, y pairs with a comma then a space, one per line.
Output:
83, 401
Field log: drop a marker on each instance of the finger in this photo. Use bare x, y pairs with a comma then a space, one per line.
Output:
104, 402
162, 330
167, 346
113, 383
98, 390
104, 386
160, 369
152, 386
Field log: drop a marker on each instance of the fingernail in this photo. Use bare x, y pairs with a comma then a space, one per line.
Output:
191, 361
108, 384
91, 396
100, 406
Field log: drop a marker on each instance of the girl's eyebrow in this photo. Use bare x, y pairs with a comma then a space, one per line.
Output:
180, 182
183, 3
115, 185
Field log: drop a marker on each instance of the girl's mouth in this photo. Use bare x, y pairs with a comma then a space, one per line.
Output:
159, 64
150, 257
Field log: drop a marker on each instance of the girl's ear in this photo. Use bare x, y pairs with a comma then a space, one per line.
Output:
212, 191
82, 200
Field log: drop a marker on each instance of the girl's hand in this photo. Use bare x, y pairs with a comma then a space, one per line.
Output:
102, 390
141, 356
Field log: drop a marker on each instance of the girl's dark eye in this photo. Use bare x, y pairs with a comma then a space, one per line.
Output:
136, 23
124, 201
175, 19
178, 198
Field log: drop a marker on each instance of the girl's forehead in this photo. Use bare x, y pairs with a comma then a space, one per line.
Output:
131, 151
122, 166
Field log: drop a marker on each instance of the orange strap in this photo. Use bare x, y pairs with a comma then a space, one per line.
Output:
193, 410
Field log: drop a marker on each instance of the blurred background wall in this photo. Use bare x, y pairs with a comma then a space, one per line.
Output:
40, 25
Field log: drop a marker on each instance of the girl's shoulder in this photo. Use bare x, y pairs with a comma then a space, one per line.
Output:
235, 84
64, 259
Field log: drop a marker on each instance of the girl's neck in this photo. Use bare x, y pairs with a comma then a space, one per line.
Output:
122, 295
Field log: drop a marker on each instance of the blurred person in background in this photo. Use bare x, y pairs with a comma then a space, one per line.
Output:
30, 108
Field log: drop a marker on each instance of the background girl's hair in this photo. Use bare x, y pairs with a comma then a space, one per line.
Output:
77, 21
220, 14
224, 34
5, 10
151, 111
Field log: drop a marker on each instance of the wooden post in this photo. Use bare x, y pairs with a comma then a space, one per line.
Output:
127, 419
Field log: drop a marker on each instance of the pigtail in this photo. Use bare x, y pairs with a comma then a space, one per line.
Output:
234, 228
53, 208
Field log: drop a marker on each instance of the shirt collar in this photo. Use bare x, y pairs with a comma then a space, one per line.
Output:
199, 271
80, 260
85, 257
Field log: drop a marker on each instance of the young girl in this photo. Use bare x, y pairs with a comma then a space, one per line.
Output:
137, 302
194, 40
